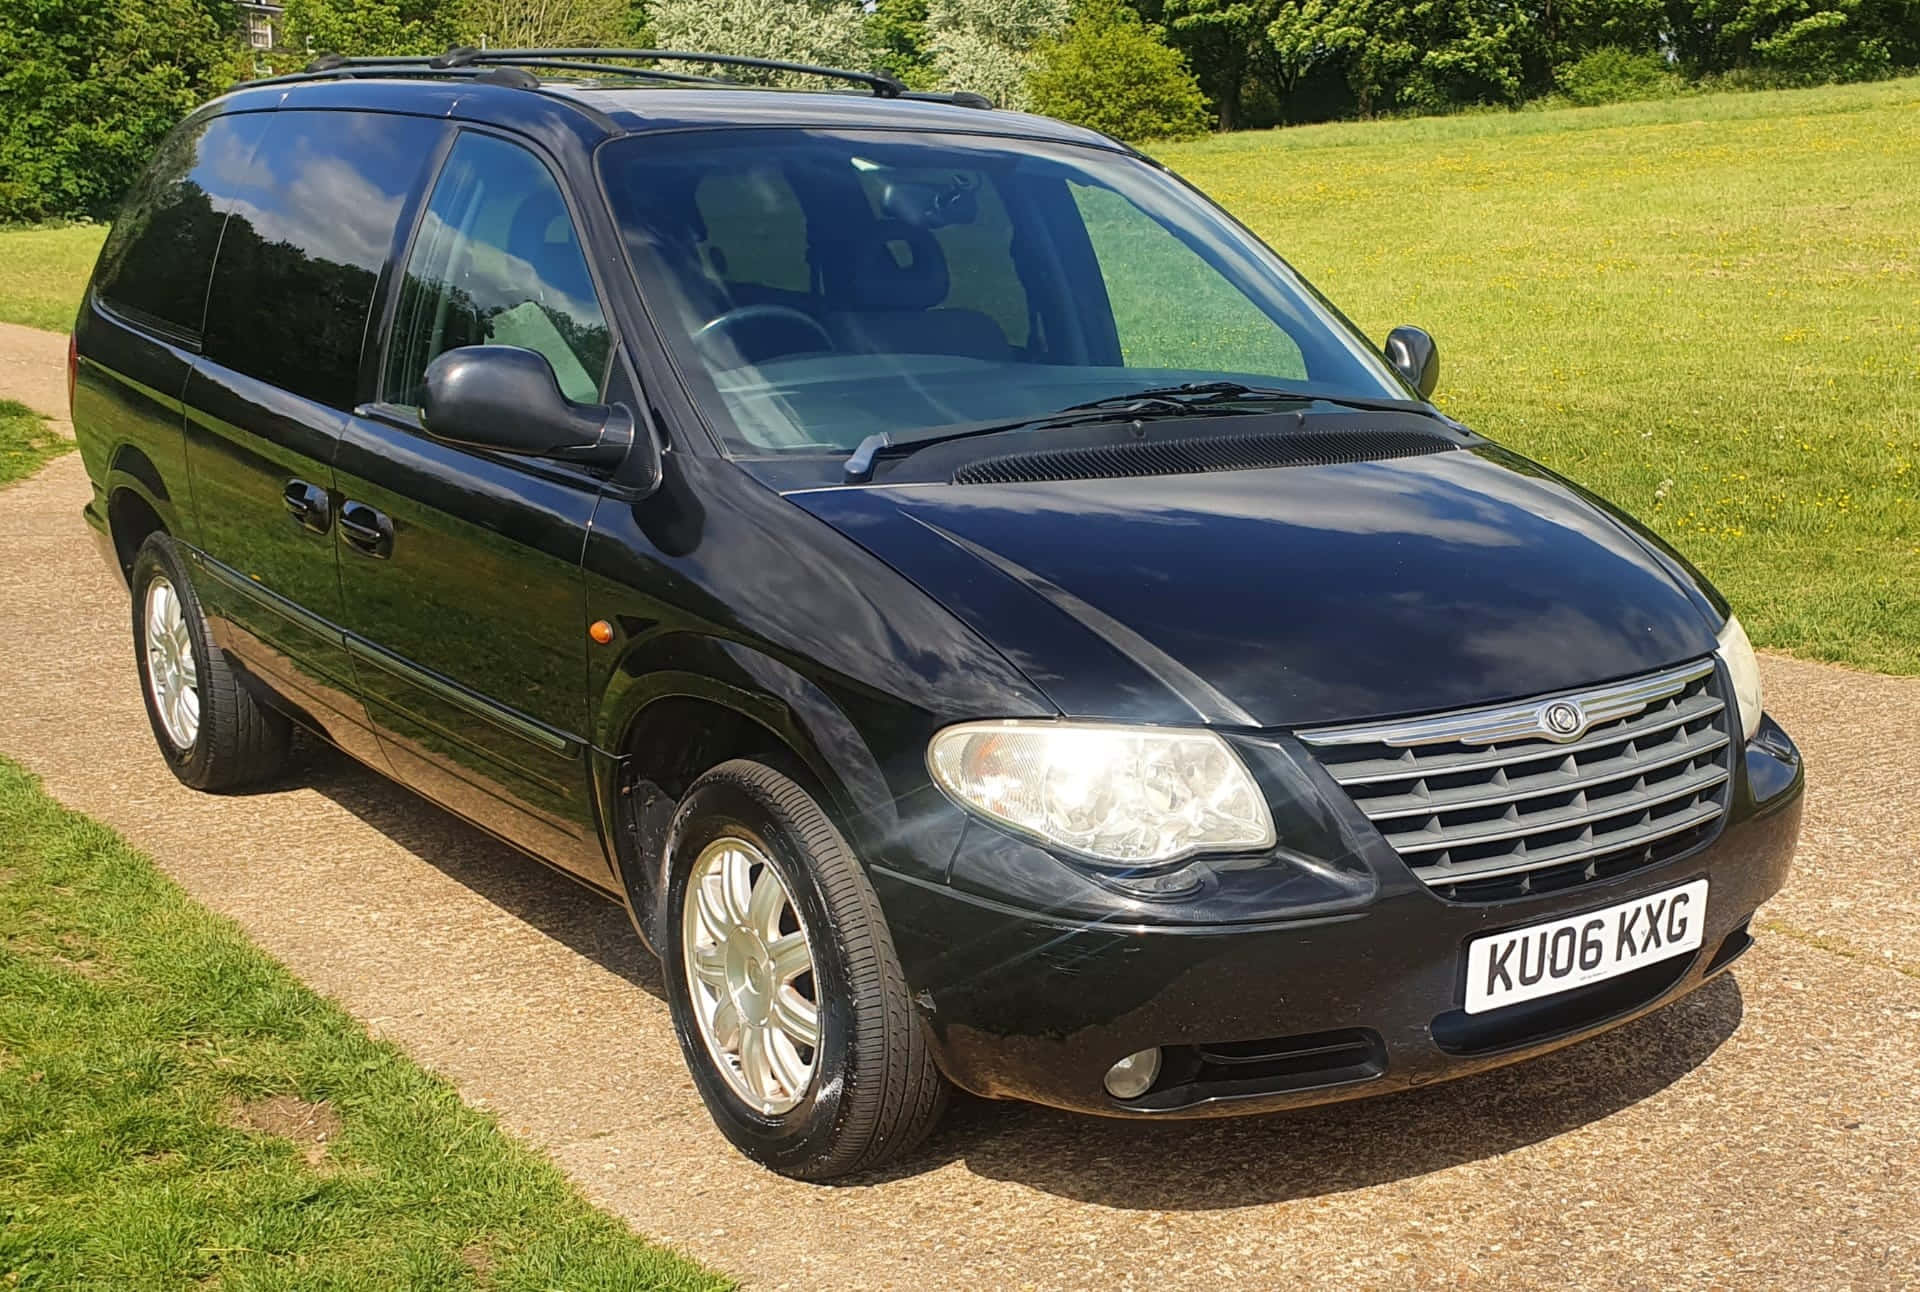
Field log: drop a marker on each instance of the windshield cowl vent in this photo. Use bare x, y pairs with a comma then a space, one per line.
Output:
1206, 453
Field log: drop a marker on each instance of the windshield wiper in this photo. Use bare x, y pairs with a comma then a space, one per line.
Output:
1185, 400
1203, 394
859, 464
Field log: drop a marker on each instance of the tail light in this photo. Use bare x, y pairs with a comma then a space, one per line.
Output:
73, 369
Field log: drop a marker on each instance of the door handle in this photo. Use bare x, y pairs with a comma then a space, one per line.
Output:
308, 504
367, 530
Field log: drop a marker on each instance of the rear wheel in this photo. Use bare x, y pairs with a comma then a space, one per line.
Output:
214, 734
789, 1001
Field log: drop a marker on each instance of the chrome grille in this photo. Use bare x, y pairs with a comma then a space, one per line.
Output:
1492, 803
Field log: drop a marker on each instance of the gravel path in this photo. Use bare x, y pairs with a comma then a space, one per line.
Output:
1763, 1133
33, 370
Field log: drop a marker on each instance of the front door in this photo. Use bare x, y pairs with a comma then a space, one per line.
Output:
460, 568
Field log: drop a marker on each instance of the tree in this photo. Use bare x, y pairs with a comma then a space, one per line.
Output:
88, 87
534, 24
1114, 73
1428, 56
357, 27
1571, 29
897, 34
832, 35
987, 47
1227, 44
1814, 40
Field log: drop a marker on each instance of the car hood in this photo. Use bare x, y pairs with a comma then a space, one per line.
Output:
1293, 596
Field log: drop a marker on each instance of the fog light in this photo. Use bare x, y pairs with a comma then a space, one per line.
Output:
1134, 1075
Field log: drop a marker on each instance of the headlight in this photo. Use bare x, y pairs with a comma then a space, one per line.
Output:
1744, 669
1126, 796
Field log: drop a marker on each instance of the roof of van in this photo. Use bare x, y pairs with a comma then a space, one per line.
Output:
623, 107
638, 108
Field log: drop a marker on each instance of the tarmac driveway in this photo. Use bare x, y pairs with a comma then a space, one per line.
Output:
1764, 1132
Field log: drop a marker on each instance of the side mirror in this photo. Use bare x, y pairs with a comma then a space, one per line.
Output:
1415, 357
504, 398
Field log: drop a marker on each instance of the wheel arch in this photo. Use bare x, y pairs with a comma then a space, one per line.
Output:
138, 503
659, 729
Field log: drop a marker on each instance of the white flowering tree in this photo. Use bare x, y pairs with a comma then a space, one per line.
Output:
529, 24
987, 45
793, 31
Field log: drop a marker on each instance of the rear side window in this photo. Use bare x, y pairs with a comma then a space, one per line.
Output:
153, 269
312, 225
497, 261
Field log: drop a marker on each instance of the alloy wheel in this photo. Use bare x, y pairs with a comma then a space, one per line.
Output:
750, 975
173, 680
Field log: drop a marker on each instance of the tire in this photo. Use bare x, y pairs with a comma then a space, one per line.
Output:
230, 739
873, 1092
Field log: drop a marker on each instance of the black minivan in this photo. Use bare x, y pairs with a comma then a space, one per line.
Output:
987, 618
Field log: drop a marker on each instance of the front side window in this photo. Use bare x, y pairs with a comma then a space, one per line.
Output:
819, 286
497, 261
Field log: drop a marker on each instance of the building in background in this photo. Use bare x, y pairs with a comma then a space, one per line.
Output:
262, 24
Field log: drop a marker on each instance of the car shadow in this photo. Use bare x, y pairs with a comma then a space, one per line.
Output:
1162, 1166
566, 910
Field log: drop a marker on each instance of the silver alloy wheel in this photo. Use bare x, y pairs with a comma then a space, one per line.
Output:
173, 680
749, 969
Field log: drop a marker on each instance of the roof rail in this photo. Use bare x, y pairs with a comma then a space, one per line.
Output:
883, 86
959, 98
464, 60
413, 68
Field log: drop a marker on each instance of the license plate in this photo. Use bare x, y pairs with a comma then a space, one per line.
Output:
1541, 959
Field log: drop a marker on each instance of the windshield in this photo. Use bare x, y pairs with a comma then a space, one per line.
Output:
818, 287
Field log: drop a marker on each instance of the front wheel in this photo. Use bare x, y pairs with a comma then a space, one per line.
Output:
787, 994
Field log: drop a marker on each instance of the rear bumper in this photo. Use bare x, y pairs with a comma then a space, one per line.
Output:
1255, 1018
96, 517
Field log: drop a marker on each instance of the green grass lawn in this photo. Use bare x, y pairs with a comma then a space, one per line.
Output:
26, 443
43, 270
1706, 308
176, 1111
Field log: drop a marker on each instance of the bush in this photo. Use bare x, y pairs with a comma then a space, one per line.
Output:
1111, 72
1826, 46
87, 87
1614, 75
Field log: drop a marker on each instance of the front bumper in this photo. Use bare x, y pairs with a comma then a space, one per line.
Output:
1255, 1017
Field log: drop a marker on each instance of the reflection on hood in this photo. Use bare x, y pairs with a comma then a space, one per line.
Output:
1292, 596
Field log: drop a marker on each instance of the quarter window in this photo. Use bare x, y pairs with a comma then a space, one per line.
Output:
497, 261
155, 264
